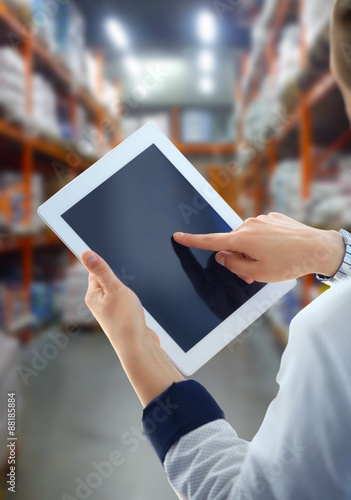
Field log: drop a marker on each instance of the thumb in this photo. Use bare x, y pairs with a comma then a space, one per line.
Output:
100, 270
238, 264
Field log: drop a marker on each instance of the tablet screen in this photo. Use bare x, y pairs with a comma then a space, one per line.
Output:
129, 220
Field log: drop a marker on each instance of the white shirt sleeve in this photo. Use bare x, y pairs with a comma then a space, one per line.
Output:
303, 447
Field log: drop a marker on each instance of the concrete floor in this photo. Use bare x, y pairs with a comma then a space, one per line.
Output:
80, 408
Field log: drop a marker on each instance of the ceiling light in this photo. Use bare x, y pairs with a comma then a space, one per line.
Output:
117, 33
206, 60
206, 85
207, 27
133, 65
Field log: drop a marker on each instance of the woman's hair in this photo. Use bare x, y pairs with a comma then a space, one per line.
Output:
341, 40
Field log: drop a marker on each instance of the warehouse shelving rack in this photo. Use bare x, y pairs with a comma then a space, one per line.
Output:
300, 129
38, 150
196, 149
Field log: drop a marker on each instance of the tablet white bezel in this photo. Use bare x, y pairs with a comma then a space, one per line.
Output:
116, 159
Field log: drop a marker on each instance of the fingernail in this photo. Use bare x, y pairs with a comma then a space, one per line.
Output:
179, 235
221, 260
89, 258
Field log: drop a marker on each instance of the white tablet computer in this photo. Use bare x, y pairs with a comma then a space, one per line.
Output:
126, 208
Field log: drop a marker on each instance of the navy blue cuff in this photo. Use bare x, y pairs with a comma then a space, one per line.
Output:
181, 408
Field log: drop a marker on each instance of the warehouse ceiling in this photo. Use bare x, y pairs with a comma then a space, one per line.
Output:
167, 24
163, 33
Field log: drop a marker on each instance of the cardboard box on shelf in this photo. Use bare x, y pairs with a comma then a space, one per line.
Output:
13, 202
13, 303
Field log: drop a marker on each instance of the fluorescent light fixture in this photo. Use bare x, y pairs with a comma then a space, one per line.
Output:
206, 85
133, 65
206, 60
207, 27
117, 33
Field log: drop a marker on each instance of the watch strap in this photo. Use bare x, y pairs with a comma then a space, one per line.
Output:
345, 268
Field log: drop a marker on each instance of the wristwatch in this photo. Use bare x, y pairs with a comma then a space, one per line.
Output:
345, 268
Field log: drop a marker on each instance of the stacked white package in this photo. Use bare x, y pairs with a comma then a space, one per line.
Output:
12, 83
90, 72
326, 205
70, 38
269, 8
44, 106
37, 191
260, 34
253, 119
285, 189
287, 65
94, 142
260, 122
316, 15
75, 310
330, 201
331, 198
80, 129
110, 97
89, 139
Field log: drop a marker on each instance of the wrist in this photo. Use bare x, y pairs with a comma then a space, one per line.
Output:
330, 252
148, 368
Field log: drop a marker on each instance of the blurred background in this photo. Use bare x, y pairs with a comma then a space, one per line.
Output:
243, 88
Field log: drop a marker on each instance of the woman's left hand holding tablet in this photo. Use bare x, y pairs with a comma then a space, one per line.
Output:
121, 316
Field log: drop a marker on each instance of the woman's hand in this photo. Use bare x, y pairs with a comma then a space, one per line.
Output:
121, 316
273, 248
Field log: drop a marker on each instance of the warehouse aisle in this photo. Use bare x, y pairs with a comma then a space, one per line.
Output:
85, 409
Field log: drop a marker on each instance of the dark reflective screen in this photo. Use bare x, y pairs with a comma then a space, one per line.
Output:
129, 220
